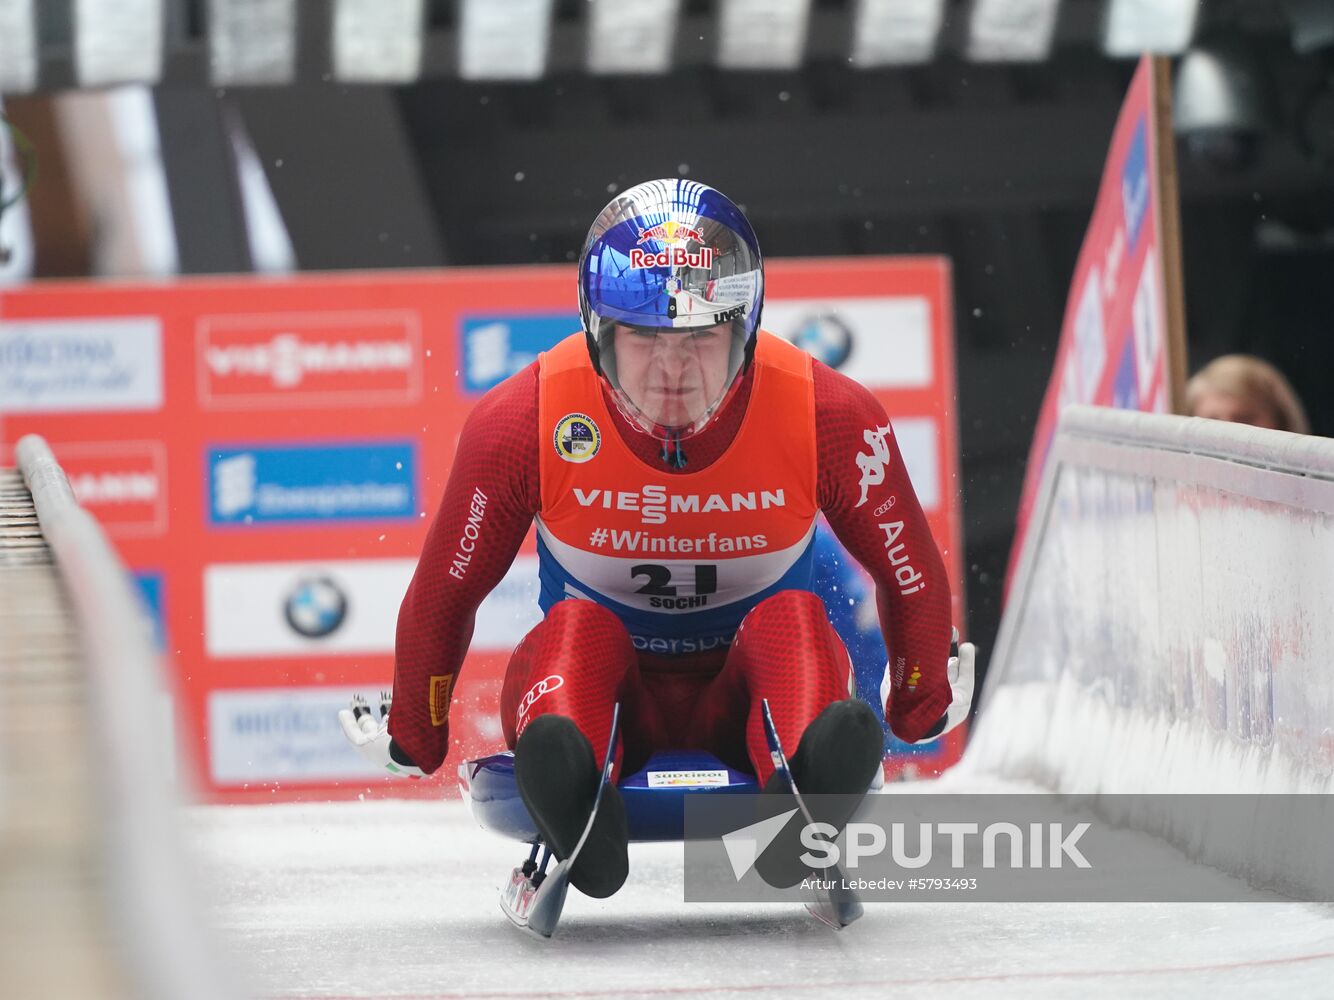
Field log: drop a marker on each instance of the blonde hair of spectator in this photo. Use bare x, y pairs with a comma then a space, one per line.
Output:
1247, 381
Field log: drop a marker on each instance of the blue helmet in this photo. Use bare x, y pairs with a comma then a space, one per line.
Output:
672, 263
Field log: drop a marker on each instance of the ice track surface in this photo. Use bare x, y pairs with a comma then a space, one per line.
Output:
400, 900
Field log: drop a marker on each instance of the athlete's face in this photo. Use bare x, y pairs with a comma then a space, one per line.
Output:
673, 376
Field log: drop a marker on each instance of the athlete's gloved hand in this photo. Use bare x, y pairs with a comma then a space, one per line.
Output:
959, 670
372, 738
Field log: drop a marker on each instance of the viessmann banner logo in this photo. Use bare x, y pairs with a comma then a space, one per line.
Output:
121, 483
309, 359
277, 484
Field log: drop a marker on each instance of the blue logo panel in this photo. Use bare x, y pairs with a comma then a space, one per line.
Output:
1125, 388
496, 347
150, 589
282, 485
1135, 184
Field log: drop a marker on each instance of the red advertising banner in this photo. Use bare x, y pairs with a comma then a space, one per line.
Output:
266, 456
1116, 347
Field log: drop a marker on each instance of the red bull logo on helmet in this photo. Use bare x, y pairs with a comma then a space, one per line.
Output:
671, 232
672, 257
674, 254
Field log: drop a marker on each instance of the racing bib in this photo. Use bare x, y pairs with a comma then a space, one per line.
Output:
679, 558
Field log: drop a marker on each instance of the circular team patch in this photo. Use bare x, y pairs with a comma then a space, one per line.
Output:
577, 437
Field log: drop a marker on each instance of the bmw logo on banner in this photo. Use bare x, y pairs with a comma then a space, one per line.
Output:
826, 338
316, 607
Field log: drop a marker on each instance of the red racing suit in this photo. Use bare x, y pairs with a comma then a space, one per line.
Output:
795, 439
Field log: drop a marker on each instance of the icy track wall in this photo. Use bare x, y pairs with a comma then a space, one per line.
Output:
138, 931
1170, 630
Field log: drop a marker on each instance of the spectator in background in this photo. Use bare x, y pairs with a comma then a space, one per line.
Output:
1246, 390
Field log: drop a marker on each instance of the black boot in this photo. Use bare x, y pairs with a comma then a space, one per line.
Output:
558, 780
838, 755
840, 750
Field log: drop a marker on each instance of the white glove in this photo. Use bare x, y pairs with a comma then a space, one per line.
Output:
959, 671
372, 738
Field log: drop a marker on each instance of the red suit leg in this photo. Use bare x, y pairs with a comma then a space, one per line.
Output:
578, 662
786, 651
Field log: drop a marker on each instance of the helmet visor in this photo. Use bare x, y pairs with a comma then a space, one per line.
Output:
670, 379
671, 274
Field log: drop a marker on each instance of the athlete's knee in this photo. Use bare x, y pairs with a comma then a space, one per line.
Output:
788, 635
579, 651
575, 614
785, 608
